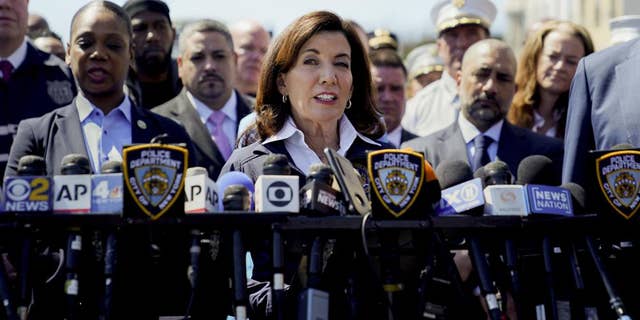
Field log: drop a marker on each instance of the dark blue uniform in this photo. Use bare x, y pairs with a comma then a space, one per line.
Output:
40, 84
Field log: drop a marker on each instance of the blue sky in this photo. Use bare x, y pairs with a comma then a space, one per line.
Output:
410, 19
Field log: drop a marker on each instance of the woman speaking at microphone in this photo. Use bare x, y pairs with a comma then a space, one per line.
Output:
314, 93
97, 124
101, 119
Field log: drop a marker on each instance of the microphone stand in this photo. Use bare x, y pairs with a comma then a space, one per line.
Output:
614, 300
278, 276
239, 276
546, 253
486, 283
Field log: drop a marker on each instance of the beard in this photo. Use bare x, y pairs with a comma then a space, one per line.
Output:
153, 66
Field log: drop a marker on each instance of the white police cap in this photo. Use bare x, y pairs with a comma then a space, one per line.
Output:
449, 14
624, 28
423, 60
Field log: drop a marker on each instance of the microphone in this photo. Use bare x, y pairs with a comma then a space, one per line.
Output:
72, 188
237, 198
461, 192
276, 189
30, 190
318, 197
238, 178
502, 197
201, 193
72, 196
106, 189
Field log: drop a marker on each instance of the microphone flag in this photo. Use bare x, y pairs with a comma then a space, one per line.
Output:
618, 176
154, 176
396, 179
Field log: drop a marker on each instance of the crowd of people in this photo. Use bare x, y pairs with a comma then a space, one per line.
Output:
234, 96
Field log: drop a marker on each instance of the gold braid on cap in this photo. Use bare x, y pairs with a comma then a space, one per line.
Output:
452, 23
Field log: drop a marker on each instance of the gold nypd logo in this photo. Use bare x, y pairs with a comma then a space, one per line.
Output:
618, 176
396, 179
154, 176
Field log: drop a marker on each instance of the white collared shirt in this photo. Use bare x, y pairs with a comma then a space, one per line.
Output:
395, 136
538, 122
105, 135
302, 155
18, 56
433, 108
229, 110
470, 132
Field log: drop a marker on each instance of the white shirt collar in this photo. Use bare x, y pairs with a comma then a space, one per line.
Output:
348, 134
18, 56
538, 122
229, 108
395, 136
470, 132
85, 109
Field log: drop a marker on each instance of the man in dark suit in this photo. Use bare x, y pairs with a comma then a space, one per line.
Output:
207, 66
32, 82
390, 77
486, 87
603, 109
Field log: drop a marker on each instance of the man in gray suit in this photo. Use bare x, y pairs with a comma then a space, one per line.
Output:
208, 106
486, 87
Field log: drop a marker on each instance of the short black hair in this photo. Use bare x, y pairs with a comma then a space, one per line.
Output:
110, 6
387, 57
45, 34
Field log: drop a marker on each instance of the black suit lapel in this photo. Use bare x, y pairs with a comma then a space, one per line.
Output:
511, 146
143, 127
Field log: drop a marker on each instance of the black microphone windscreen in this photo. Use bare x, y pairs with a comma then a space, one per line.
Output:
537, 169
578, 197
236, 197
75, 163
497, 172
321, 172
453, 172
622, 146
276, 164
111, 166
31, 165
196, 171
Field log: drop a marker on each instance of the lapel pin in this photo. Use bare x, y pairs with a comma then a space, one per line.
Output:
141, 124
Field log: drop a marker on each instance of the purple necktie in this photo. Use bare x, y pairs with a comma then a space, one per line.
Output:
6, 68
481, 157
217, 133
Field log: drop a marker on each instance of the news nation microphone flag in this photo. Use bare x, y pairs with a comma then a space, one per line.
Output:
397, 178
154, 176
618, 176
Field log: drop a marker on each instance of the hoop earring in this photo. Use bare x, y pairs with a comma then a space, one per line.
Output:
348, 104
285, 98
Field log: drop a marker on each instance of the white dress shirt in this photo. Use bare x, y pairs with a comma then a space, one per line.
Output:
229, 110
302, 155
395, 136
18, 56
470, 132
432, 108
105, 135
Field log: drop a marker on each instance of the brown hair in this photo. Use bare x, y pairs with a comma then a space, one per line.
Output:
387, 58
527, 97
272, 112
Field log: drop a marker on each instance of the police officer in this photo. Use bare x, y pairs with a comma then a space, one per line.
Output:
460, 24
32, 82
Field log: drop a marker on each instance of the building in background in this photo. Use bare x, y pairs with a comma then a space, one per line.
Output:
593, 14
